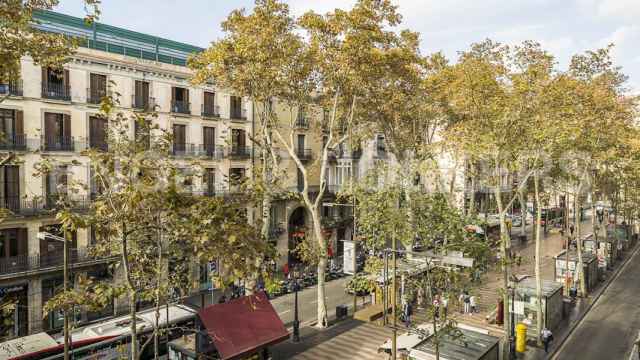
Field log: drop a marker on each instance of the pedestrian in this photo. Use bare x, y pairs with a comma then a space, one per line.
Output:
407, 313
547, 337
445, 303
467, 302
461, 302
472, 303
222, 300
420, 297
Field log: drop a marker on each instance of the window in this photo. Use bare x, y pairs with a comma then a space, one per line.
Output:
238, 142
209, 140
10, 187
98, 133
380, 144
236, 177
57, 132
209, 107
55, 185
97, 88
300, 179
180, 100
55, 84
142, 133
12, 130
13, 242
236, 110
210, 182
179, 139
141, 98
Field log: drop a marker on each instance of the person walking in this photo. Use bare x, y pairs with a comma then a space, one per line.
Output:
547, 338
407, 313
461, 302
467, 302
445, 303
472, 303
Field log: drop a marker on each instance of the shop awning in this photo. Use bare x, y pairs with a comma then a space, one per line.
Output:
239, 327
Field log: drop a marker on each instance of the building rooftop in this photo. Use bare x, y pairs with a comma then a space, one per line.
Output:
471, 346
115, 40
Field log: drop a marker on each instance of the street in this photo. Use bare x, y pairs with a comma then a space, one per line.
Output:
308, 302
612, 324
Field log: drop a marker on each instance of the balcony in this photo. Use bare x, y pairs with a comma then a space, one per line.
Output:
98, 144
239, 152
210, 111
95, 96
238, 114
304, 154
41, 205
21, 264
15, 142
275, 230
301, 123
141, 103
57, 143
180, 107
12, 88
56, 91
211, 152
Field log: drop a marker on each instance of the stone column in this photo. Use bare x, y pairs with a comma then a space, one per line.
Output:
34, 302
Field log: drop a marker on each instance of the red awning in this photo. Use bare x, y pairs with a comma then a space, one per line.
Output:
239, 327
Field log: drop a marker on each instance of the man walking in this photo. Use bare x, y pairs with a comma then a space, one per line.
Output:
472, 303
547, 337
467, 302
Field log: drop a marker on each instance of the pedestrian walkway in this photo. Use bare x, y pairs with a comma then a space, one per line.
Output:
349, 339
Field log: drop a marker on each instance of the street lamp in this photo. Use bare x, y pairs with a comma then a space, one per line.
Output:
512, 343
296, 323
42, 235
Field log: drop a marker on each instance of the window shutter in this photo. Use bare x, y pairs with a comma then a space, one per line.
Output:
45, 79
173, 95
12, 181
22, 241
49, 125
19, 129
186, 96
66, 78
66, 127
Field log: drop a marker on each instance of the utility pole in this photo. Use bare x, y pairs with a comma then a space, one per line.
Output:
65, 285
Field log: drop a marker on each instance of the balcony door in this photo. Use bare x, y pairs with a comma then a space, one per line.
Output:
97, 88
209, 104
12, 129
13, 243
209, 140
55, 84
57, 131
238, 141
10, 187
98, 132
236, 107
55, 185
179, 138
141, 95
180, 100
210, 181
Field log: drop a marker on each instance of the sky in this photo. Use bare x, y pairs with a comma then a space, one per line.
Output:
563, 27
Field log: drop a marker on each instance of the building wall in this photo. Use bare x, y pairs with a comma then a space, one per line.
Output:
122, 71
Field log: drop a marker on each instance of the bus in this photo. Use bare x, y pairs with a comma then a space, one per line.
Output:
109, 339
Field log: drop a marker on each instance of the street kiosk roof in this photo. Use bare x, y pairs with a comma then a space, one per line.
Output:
527, 286
239, 327
471, 346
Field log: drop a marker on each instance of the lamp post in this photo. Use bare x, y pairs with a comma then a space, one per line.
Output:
65, 266
600, 214
512, 337
296, 323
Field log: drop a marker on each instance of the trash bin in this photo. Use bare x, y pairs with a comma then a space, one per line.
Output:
341, 312
521, 338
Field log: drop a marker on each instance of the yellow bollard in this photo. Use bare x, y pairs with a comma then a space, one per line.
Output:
521, 338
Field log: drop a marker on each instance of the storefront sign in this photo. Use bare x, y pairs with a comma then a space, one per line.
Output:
12, 289
349, 257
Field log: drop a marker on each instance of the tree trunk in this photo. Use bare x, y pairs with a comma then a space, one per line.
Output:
132, 294
322, 265
538, 255
523, 213
579, 266
505, 249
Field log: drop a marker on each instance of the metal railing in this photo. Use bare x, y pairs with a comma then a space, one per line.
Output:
41, 205
304, 154
142, 103
56, 91
239, 151
98, 144
238, 115
95, 96
25, 262
211, 151
13, 142
180, 107
57, 143
301, 122
210, 110
12, 88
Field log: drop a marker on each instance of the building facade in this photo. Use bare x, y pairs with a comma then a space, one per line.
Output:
51, 114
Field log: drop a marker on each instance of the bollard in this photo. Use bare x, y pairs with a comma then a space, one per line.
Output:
521, 338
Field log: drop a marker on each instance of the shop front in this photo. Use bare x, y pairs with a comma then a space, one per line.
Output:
590, 270
15, 318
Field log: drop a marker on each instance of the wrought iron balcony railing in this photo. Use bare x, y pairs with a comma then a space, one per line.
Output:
57, 143
180, 107
13, 88
210, 110
56, 91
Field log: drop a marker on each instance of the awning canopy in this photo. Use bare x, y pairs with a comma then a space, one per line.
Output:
239, 327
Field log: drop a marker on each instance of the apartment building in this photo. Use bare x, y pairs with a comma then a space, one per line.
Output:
52, 114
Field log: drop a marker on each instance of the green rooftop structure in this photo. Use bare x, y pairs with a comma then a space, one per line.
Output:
115, 40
